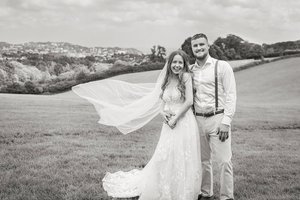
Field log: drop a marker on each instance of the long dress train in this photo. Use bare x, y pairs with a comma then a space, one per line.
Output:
174, 171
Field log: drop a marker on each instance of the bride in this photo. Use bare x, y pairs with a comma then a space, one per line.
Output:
174, 171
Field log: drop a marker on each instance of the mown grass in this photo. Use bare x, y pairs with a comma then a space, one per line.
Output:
51, 147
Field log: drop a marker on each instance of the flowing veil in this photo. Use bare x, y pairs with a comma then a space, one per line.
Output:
127, 106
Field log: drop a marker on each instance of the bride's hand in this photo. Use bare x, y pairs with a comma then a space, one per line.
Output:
172, 122
166, 116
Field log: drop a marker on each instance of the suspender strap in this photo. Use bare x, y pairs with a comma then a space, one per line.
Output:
192, 67
216, 85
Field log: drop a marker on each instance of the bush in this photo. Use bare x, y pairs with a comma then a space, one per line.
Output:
58, 69
3, 76
30, 87
16, 87
69, 75
39, 90
60, 86
3, 89
81, 75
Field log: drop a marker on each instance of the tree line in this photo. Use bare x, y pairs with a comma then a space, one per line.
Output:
49, 73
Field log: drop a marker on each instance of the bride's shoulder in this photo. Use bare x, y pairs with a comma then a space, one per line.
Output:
186, 76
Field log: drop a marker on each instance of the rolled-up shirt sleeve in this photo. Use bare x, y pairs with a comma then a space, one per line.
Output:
230, 94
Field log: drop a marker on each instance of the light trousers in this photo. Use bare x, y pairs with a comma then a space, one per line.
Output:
213, 147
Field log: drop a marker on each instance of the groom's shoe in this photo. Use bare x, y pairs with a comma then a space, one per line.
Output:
200, 197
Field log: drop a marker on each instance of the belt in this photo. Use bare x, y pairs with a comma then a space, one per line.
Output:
210, 113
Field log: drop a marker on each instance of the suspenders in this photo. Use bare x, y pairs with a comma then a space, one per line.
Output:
216, 85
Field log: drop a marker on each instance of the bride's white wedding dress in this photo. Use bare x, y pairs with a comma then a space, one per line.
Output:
174, 171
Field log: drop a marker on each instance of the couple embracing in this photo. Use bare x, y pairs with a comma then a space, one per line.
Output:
197, 103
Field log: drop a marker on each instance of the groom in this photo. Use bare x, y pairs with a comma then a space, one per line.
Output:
214, 104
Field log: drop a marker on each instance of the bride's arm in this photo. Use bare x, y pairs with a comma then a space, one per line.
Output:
188, 100
164, 114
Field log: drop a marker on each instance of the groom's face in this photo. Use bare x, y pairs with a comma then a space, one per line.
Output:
200, 48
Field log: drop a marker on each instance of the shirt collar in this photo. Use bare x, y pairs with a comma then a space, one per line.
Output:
209, 61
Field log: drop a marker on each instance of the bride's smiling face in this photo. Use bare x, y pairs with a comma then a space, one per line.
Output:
177, 64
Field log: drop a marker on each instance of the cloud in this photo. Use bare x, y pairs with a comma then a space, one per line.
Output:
147, 22
107, 11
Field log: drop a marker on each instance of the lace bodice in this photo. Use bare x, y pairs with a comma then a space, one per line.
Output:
172, 98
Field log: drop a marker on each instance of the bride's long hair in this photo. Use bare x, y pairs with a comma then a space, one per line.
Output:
170, 74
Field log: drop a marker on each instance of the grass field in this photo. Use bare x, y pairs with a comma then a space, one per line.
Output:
51, 147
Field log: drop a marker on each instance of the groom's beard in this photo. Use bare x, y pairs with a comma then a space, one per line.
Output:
202, 57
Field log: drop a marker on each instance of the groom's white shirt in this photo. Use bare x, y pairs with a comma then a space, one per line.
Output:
204, 83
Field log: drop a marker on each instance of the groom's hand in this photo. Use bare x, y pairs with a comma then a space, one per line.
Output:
223, 132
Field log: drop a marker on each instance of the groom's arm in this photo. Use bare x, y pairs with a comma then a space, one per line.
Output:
229, 86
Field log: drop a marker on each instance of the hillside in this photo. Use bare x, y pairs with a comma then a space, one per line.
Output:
64, 48
272, 83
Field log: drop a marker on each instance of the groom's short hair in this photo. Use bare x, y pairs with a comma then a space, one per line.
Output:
199, 35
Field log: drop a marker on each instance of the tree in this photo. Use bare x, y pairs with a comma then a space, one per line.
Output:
220, 42
81, 75
30, 87
187, 48
231, 46
217, 53
89, 60
158, 53
161, 52
15, 87
33, 59
3, 76
269, 50
64, 60
233, 42
256, 51
58, 69
42, 66
244, 49
230, 53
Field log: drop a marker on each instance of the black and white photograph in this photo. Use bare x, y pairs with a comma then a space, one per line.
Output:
149, 100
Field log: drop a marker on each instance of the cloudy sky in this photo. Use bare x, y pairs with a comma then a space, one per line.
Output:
144, 23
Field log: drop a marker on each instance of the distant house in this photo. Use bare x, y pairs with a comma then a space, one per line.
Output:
121, 52
146, 59
23, 58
